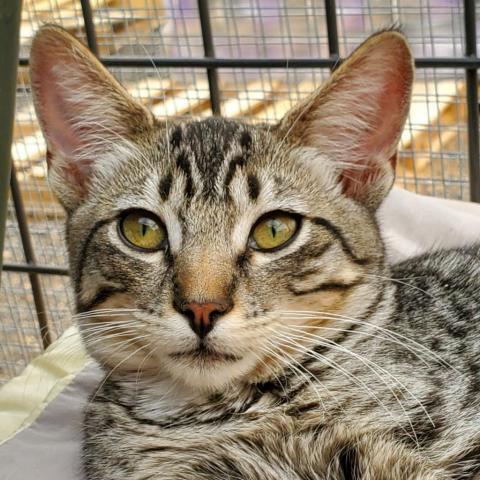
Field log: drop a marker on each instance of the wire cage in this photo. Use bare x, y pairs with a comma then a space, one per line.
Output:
246, 59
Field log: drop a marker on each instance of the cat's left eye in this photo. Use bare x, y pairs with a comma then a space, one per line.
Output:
274, 230
142, 230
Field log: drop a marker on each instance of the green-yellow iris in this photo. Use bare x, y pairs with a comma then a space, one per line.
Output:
143, 230
274, 230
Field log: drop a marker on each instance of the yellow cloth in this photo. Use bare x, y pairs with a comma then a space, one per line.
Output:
24, 398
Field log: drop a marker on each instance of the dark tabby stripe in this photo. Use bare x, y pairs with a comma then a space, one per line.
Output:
253, 187
473, 387
335, 231
349, 465
184, 165
237, 161
339, 286
83, 254
165, 186
153, 449
307, 252
102, 295
298, 410
176, 137
246, 140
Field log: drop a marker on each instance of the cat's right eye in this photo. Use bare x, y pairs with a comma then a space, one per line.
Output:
142, 230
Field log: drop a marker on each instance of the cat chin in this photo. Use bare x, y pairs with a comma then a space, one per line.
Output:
211, 376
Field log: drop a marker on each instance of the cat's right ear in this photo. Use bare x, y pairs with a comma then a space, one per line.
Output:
83, 111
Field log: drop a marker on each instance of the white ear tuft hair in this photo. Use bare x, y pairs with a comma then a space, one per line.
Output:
83, 111
357, 118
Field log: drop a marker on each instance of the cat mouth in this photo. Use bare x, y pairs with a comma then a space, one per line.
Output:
206, 353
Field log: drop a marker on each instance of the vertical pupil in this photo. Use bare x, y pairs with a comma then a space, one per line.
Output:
273, 229
144, 228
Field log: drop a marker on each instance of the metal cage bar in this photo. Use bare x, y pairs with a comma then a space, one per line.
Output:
37, 291
10, 13
209, 50
205, 62
332, 32
31, 268
89, 26
470, 62
472, 100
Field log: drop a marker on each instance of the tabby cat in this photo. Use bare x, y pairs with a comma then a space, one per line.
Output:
231, 281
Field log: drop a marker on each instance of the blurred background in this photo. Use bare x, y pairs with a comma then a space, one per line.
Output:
434, 148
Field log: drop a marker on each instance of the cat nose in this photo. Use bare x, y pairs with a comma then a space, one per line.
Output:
202, 316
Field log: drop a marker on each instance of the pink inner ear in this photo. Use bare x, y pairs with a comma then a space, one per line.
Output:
56, 115
355, 181
64, 139
388, 122
377, 144
59, 130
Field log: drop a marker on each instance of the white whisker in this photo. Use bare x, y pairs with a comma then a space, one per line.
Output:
297, 368
325, 360
372, 366
113, 370
311, 314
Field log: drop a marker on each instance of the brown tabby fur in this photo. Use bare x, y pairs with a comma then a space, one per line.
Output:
329, 363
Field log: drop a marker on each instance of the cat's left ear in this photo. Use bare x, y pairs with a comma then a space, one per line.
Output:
357, 118
86, 116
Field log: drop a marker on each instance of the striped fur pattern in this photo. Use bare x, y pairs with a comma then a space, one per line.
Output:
329, 364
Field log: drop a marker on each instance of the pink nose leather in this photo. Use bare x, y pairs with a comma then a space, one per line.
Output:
202, 316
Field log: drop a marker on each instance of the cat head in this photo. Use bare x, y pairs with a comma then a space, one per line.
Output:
209, 251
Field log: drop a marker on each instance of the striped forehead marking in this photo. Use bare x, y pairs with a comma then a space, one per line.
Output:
208, 154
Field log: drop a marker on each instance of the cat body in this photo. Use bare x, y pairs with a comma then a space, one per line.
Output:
231, 280
419, 417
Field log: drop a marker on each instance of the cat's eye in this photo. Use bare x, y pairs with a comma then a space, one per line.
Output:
142, 230
274, 231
